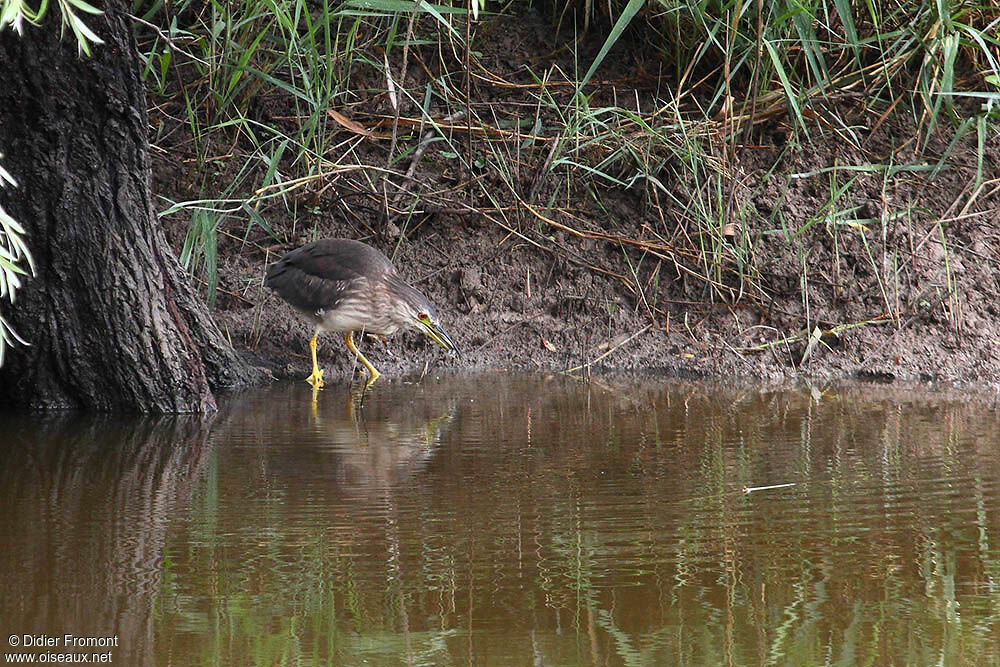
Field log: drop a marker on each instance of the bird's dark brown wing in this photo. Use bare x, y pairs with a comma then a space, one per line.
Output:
316, 276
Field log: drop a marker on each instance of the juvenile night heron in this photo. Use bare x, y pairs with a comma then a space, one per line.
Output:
346, 286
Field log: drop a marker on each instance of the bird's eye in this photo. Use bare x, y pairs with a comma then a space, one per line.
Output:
423, 316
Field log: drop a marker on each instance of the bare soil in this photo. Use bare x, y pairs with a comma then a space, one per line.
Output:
902, 284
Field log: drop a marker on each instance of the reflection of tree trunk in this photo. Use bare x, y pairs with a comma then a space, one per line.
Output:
84, 525
112, 320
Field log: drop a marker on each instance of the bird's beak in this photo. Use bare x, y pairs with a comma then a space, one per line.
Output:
438, 335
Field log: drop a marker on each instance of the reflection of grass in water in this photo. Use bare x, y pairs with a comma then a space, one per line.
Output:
852, 566
887, 622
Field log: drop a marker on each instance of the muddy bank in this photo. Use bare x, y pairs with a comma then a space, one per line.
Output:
912, 299
840, 255
512, 304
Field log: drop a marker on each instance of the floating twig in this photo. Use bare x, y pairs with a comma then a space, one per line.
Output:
751, 489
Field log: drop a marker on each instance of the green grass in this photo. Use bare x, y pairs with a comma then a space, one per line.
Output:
294, 109
283, 104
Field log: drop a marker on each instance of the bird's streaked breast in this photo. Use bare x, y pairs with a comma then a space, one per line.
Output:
355, 315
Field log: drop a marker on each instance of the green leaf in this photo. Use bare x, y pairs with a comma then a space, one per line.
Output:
786, 84
631, 9
82, 6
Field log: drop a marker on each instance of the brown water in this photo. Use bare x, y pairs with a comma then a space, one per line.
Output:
512, 520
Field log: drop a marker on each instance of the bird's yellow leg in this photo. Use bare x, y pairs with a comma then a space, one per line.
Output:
373, 374
316, 379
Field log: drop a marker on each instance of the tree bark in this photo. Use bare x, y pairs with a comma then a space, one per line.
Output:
112, 320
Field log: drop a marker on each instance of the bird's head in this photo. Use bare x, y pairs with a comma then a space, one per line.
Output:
427, 322
418, 313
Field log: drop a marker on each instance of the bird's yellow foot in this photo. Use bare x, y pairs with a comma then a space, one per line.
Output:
316, 379
372, 376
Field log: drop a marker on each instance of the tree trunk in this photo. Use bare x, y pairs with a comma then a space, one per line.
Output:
112, 320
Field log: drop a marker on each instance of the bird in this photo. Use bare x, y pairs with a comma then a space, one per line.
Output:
348, 286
